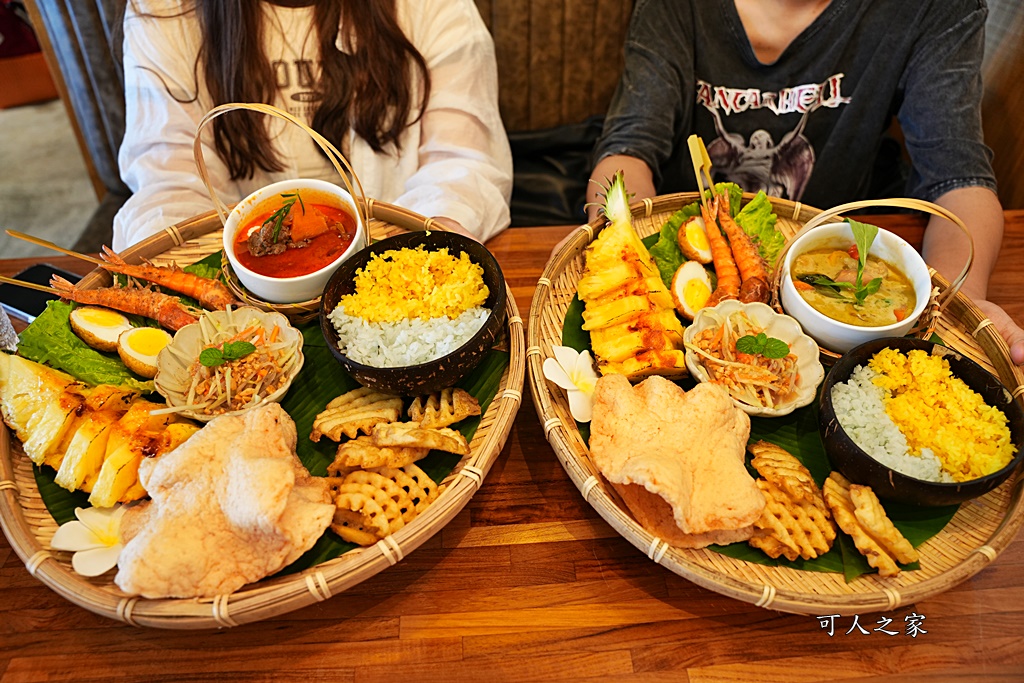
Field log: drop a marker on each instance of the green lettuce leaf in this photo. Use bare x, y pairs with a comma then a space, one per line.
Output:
735, 193
666, 253
208, 267
50, 340
758, 221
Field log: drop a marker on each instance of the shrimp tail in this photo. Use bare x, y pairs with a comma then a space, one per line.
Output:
721, 255
111, 257
63, 286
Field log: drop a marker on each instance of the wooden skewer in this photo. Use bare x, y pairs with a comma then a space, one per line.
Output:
701, 162
50, 245
30, 285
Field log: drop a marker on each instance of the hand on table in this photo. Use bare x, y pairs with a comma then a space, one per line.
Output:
1007, 327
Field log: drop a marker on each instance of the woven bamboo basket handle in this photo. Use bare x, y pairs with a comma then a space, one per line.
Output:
336, 158
398, 215
826, 216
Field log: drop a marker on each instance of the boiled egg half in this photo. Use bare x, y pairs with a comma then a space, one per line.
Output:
139, 348
693, 240
99, 327
691, 289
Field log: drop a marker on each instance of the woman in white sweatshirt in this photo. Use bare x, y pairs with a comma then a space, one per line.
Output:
407, 89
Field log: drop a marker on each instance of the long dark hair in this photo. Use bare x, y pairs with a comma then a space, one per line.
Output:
368, 88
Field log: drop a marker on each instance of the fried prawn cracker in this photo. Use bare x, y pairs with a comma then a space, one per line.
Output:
837, 497
443, 408
871, 515
353, 412
412, 435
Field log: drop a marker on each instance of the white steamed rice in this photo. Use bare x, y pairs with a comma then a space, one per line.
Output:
406, 342
861, 412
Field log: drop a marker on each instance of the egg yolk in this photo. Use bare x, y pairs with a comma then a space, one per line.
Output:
696, 293
102, 317
147, 341
697, 237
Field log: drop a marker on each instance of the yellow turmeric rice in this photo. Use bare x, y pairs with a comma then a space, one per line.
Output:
401, 284
938, 411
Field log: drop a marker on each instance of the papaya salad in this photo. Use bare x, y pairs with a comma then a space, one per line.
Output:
756, 369
230, 360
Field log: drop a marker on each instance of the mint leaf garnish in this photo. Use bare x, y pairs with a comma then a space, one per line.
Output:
762, 344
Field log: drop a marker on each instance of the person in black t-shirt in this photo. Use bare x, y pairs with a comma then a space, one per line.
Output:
794, 97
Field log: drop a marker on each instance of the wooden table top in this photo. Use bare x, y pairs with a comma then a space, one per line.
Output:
528, 583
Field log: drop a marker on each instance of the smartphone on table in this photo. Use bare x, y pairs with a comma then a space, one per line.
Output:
25, 303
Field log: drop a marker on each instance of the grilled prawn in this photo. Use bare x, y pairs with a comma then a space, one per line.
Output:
166, 310
210, 293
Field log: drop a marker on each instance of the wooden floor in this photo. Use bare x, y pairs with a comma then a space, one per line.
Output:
528, 584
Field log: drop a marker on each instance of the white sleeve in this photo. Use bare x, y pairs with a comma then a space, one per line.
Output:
156, 159
465, 163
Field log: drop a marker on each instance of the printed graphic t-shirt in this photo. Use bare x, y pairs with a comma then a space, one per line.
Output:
807, 127
290, 43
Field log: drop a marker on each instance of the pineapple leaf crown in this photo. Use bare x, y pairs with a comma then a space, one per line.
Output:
616, 199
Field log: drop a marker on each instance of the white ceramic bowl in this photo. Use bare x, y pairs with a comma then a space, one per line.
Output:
289, 290
173, 376
841, 337
809, 368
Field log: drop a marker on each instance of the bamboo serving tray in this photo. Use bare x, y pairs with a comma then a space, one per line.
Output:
980, 530
29, 526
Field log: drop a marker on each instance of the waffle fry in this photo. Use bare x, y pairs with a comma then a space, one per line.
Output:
374, 504
357, 411
837, 497
355, 515
790, 527
421, 488
412, 435
363, 453
870, 513
378, 481
443, 408
785, 471
359, 518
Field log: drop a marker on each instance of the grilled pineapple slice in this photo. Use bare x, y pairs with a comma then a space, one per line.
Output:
136, 435
94, 437
85, 452
38, 403
119, 472
627, 308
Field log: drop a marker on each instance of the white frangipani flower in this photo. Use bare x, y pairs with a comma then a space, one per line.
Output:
574, 372
94, 538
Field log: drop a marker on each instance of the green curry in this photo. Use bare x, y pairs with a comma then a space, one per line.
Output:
821, 277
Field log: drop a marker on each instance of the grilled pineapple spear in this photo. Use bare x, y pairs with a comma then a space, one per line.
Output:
95, 437
627, 309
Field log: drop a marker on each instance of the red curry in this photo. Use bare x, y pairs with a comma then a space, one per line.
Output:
307, 256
